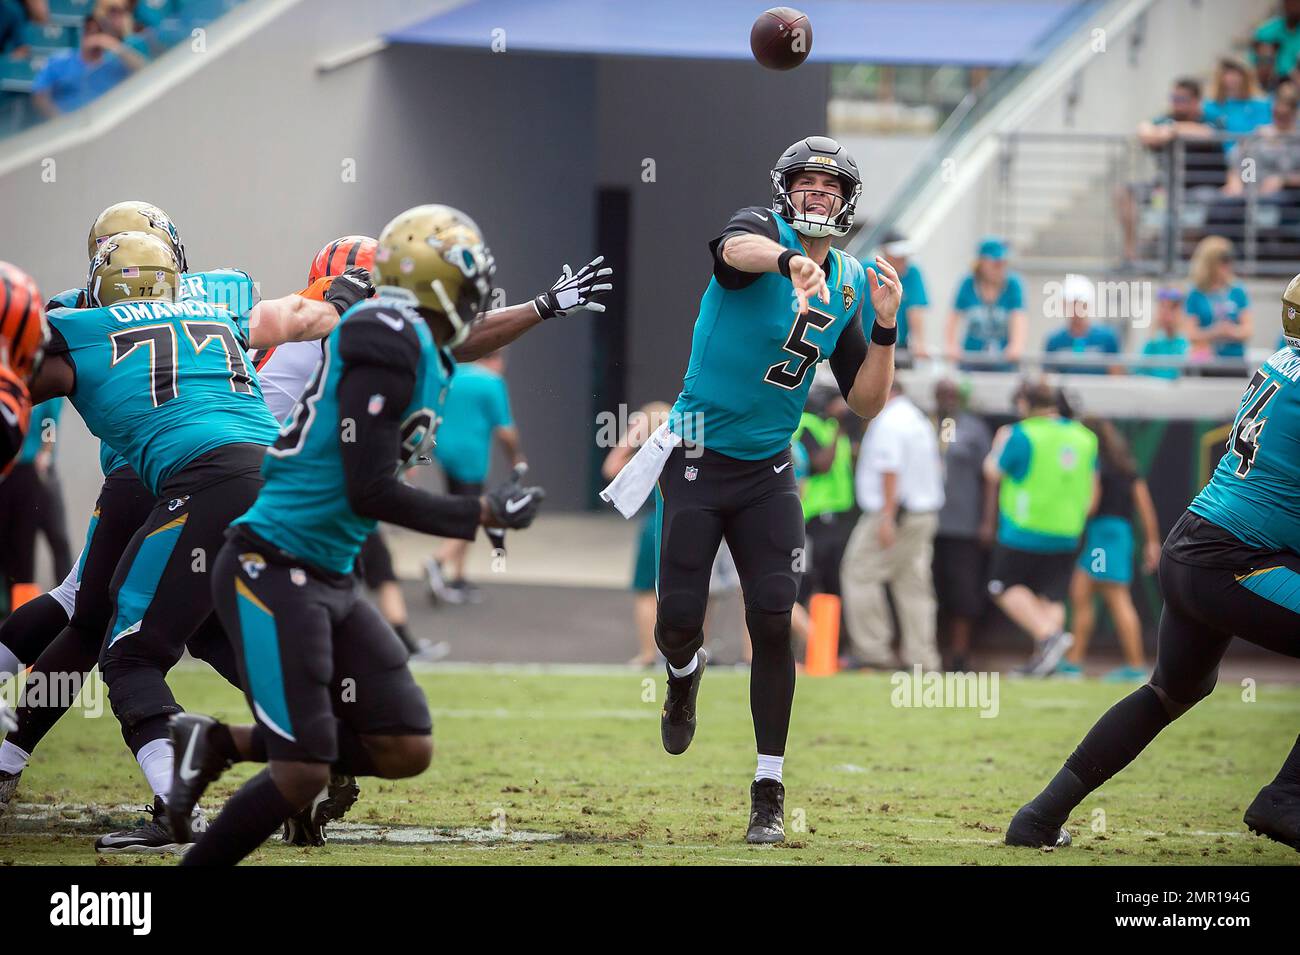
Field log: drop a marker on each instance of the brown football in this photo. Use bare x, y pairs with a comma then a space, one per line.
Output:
781, 38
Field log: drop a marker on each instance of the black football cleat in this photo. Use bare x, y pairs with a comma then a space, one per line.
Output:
197, 764
153, 836
766, 812
677, 720
307, 828
8, 789
1029, 828
1275, 813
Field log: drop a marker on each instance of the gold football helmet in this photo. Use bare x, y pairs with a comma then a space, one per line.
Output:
1291, 313
437, 255
133, 267
135, 216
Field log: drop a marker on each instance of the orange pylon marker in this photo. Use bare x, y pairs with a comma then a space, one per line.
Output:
822, 657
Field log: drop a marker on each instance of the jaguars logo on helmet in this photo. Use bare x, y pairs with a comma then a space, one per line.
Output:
824, 155
436, 255
133, 267
135, 216
1291, 313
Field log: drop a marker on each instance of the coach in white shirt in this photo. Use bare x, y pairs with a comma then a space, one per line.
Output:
900, 491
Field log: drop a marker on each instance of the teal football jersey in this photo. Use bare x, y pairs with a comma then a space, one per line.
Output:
753, 356
303, 508
1254, 493
230, 288
162, 382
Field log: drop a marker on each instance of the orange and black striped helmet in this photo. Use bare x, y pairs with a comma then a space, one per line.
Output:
348, 252
23, 332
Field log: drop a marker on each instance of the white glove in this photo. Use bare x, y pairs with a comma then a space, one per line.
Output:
572, 292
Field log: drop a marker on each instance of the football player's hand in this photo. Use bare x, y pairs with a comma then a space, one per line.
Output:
808, 280
511, 504
1151, 556
886, 291
574, 291
349, 288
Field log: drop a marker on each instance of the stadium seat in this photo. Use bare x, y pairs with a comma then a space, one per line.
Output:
16, 75
50, 36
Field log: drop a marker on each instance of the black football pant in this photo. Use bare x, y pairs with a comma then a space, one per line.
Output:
706, 497
162, 589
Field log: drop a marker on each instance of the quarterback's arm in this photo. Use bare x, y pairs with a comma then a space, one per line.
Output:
873, 374
379, 376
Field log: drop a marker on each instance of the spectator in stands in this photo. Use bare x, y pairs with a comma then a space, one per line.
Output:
73, 78
1275, 149
1080, 335
1218, 308
1284, 32
1203, 159
911, 313
1105, 565
964, 534
1045, 470
1235, 101
1264, 56
1168, 340
989, 311
900, 492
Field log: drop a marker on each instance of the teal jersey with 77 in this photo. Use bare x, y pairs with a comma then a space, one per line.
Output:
1254, 492
162, 382
303, 508
752, 353
233, 289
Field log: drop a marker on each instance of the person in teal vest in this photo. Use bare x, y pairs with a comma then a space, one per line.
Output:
1230, 568
1046, 470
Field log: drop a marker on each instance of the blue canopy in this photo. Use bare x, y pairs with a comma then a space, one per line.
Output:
958, 32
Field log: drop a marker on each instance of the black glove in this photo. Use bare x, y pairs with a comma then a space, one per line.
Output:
349, 288
573, 292
512, 505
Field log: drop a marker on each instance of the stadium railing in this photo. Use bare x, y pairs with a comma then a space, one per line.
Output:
1059, 195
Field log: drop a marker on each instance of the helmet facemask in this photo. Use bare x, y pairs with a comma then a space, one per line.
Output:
815, 225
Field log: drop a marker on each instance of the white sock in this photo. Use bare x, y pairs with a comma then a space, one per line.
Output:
769, 767
13, 759
686, 670
156, 759
10, 665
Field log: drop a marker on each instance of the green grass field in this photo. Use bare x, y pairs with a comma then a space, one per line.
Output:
575, 759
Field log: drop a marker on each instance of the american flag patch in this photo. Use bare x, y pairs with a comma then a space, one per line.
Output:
130, 272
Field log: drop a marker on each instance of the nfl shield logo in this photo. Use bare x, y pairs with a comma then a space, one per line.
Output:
298, 576
692, 473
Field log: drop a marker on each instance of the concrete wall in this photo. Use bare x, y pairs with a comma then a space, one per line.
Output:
713, 129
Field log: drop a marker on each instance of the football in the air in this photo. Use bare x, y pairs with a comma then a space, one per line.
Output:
781, 38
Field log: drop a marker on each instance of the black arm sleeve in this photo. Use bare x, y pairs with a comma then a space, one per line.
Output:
376, 385
754, 220
849, 354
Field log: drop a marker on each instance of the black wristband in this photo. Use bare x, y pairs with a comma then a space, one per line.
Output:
883, 336
783, 261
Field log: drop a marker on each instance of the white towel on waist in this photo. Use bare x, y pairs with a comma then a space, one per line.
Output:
632, 485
